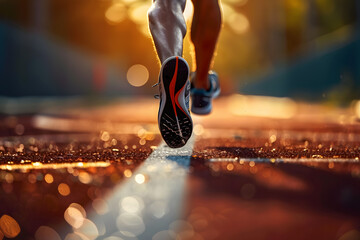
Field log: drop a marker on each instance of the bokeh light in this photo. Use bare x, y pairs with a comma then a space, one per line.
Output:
100, 206
49, 178
127, 173
89, 229
9, 226
116, 13
64, 189
75, 215
85, 177
137, 75
131, 204
75, 236
140, 178
138, 12
46, 233
238, 23
130, 225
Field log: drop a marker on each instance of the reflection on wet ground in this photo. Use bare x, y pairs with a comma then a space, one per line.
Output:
47, 175
84, 177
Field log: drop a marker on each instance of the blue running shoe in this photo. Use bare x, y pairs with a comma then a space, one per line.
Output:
174, 118
201, 103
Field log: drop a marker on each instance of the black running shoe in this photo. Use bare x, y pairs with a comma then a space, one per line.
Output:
174, 118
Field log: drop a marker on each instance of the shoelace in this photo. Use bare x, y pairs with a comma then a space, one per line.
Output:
156, 96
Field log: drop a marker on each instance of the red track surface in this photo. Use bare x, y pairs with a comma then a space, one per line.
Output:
234, 189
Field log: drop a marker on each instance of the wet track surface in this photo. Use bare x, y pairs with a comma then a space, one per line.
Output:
103, 173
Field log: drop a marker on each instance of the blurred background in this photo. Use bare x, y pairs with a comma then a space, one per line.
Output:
308, 50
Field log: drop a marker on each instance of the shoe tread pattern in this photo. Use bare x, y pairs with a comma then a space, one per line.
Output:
168, 125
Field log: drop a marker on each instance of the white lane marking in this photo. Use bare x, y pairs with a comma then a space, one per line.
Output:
152, 199
285, 160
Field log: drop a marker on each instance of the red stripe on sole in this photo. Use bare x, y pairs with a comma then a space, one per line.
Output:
172, 86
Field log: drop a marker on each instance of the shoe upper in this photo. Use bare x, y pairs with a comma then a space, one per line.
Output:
202, 99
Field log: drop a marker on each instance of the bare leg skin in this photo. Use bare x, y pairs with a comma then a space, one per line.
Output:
205, 30
167, 26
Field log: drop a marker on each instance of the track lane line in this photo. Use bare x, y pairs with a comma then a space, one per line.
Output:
144, 205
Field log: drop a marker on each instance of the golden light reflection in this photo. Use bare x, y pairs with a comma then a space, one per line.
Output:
137, 75
125, 1
238, 22
105, 136
230, 167
141, 133
36, 164
127, 173
116, 13
272, 138
9, 178
64, 189
74, 217
138, 12
225, 160
142, 141
85, 178
227, 10
78, 207
53, 166
189, 10
9, 226
49, 178
259, 106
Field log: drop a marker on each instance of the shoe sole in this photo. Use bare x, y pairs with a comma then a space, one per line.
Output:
174, 119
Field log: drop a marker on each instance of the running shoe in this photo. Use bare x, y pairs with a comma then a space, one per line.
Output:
174, 118
201, 103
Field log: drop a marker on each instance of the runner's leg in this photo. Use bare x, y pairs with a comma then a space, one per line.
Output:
167, 26
205, 30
